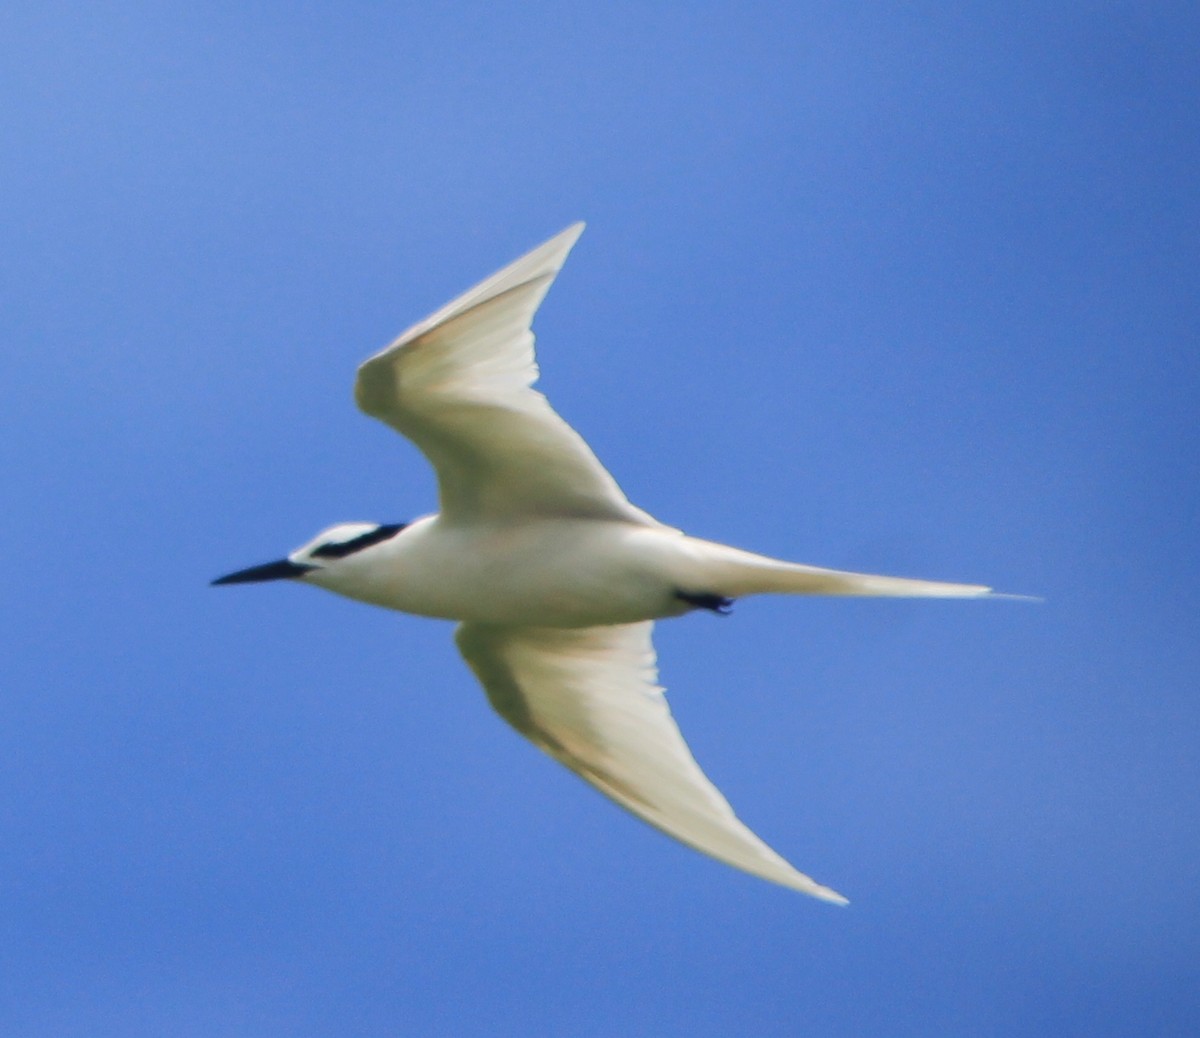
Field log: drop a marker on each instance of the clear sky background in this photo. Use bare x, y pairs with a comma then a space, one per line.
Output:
903, 288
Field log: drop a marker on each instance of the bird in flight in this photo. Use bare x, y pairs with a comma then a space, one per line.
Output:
554, 577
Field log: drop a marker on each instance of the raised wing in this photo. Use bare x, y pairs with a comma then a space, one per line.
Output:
458, 385
588, 697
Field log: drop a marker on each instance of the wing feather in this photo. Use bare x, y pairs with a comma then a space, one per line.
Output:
458, 384
589, 698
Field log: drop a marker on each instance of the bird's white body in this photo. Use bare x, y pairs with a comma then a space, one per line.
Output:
554, 576
543, 573
573, 573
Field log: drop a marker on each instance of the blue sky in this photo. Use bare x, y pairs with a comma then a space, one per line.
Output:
910, 289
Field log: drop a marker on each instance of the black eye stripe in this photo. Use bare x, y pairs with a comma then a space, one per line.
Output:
342, 549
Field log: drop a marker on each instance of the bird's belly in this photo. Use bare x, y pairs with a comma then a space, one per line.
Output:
561, 573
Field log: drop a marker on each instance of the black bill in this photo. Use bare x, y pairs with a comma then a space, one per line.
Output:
284, 569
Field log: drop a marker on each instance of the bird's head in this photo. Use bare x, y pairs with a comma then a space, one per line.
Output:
325, 551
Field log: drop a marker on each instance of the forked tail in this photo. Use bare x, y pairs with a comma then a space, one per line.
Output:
736, 573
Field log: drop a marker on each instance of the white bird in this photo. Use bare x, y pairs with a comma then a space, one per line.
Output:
555, 578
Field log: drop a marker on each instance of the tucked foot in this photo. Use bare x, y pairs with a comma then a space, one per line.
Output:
707, 600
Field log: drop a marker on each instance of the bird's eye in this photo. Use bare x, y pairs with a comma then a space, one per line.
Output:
340, 549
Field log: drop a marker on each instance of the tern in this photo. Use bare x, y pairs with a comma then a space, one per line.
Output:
554, 577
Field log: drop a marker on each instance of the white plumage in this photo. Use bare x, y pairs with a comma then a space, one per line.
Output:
555, 577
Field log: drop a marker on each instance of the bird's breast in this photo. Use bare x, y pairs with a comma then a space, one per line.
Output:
552, 573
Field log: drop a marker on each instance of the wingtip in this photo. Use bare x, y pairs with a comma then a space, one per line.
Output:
807, 885
827, 894
569, 235
547, 258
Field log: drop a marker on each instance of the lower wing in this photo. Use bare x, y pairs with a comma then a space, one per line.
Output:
588, 697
